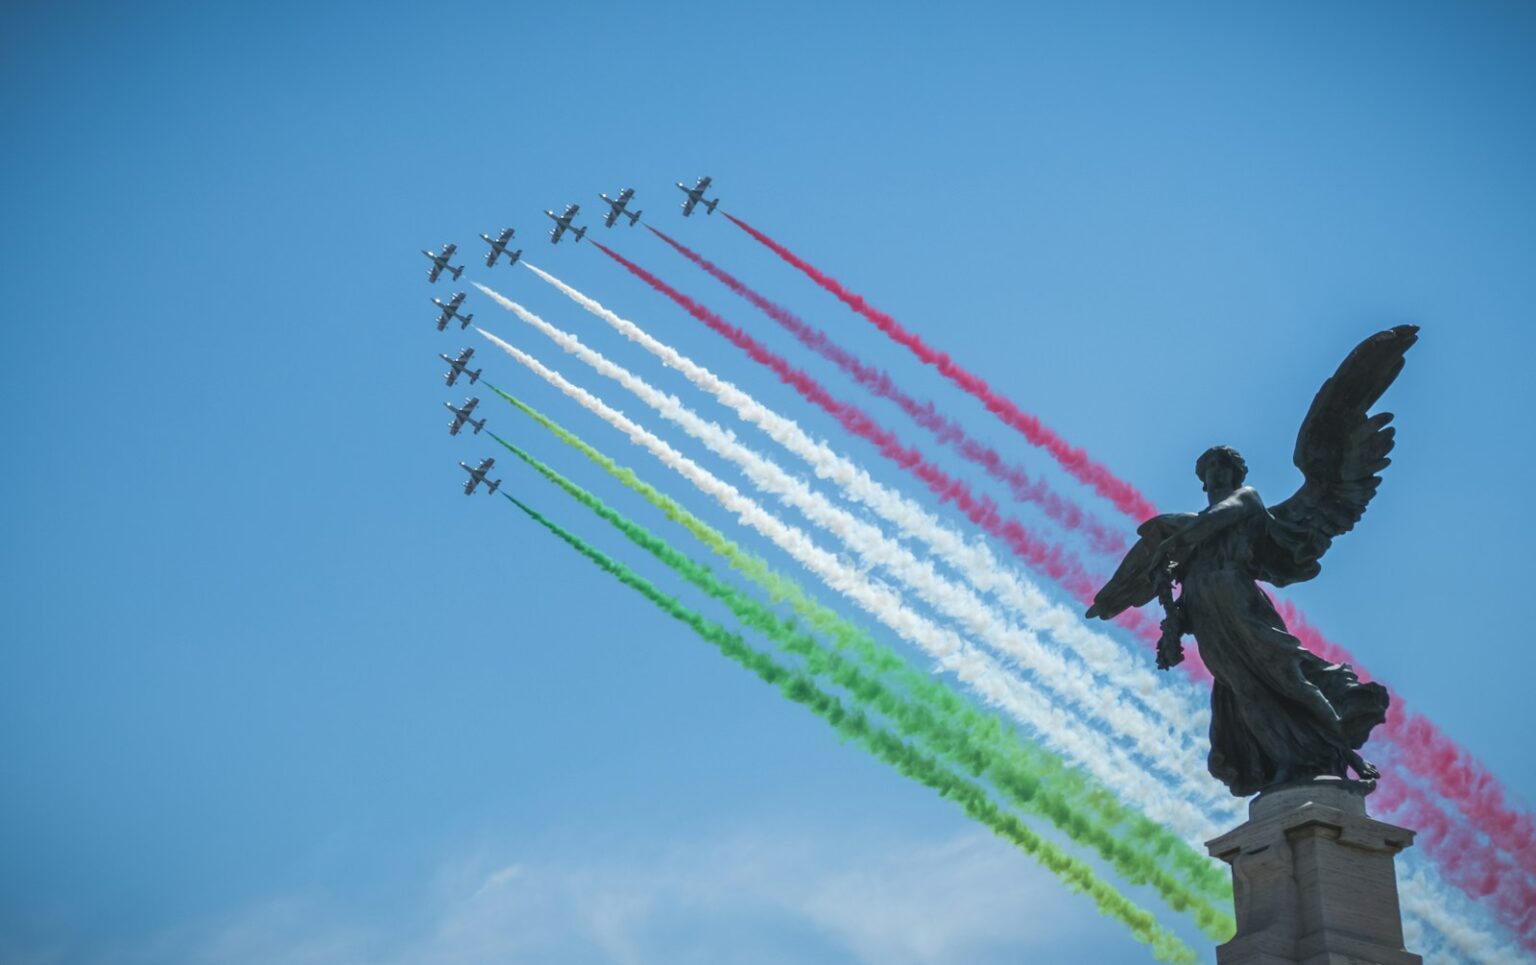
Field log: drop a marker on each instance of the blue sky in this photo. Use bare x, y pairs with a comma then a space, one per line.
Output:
273, 690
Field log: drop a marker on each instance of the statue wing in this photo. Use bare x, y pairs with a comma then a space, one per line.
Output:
1132, 583
1339, 450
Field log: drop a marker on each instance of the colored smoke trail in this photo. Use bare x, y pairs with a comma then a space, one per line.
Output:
1426, 750
1047, 668
1431, 903
948, 738
975, 668
1005, 742
1463, 860
854, 725
1074, 460
1179, 705
1071, 516
1053, 560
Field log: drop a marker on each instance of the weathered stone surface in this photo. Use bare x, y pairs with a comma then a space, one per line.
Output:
1313, 881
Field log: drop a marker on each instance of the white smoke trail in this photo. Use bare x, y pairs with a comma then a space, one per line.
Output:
1180, 705
1427, 901
875, 549
1058, 730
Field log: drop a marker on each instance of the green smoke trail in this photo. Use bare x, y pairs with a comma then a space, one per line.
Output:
854, 725
985, 730
1028, 788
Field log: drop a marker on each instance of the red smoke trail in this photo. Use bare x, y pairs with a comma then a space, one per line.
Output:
1426, 750
1058, 563
1064, 511
1463, 858
1125, 496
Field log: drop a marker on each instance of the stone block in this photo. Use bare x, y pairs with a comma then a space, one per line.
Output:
1313, 880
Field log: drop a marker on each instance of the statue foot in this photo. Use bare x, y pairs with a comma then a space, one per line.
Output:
1363, 768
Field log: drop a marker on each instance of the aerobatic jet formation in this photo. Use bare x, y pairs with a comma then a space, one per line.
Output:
696, 196
461, 416
440, 262
477, 476
616, 207
563, 224
451, 311
460, 366
499, 248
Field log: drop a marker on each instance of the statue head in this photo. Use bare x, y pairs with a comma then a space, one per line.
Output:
1221, 470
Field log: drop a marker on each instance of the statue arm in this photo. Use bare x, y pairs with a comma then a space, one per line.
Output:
1213, 519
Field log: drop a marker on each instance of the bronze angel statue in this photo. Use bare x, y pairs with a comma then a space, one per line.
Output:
1279, 713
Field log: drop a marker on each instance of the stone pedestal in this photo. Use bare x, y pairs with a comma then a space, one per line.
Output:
1312, 880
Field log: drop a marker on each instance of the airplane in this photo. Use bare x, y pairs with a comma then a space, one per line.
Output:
617, 208
563, 224
461, 416
477, 476
460, 366
451, 311
440, 261
499, 247
696, 195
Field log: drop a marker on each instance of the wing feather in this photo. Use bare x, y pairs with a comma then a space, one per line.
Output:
1340, 451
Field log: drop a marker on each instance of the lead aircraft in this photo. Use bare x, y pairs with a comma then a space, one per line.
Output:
696, 196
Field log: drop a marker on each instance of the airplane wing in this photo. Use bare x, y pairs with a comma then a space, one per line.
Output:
613, 215
448, 251
626, 194
703, 183
693, 199
434, 271
469, 487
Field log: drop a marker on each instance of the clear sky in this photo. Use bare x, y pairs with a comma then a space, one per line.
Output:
273, 690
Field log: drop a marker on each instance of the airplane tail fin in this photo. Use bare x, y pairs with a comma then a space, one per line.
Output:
580, 232
491, 489
516, 255
475, 376
456, 271
466, 319
478, 425
634, 218
711, 205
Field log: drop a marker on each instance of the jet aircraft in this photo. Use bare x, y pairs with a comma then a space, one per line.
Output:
499, 248
461, 416
696, 196
440, 262
460, 366
477, 476
617, 207
451, 311
563, 224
